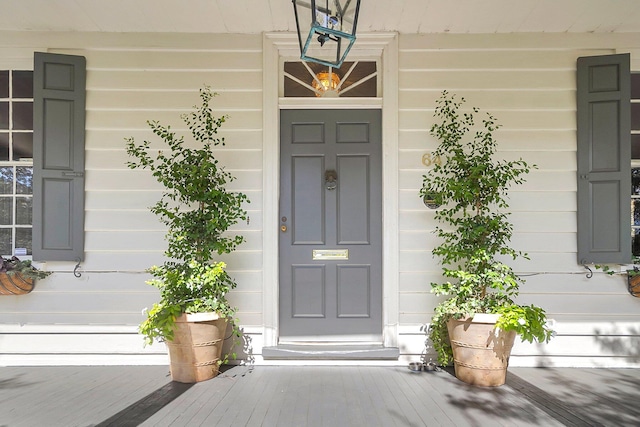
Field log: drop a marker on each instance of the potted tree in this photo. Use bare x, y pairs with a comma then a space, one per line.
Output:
476, 324
198, 210
17, 277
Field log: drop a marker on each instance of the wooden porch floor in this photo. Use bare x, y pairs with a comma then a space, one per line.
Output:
315, 396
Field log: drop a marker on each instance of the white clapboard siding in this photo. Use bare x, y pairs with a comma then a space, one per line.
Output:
132, 79
241, 138
530, 88
527, 81
77, 345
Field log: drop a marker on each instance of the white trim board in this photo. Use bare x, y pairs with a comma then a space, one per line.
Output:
278, 46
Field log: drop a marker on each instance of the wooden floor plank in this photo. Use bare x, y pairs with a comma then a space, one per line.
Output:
289, 402
423, 387
332, 398
254, 398
139, 385
185, 407
385, 398
344, 411
434, 386
239, 390
303, 399
268, 412
403, 409
15, 382
418, 401
142, 409
241, 397
316, 406
585, 396
352, 410
345, 396
367, 404
264, 398
53, 407
60, 406
71, 395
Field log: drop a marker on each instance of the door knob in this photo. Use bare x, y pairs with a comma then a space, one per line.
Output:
283, 228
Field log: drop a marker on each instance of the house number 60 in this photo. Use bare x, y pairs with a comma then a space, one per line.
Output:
428, 159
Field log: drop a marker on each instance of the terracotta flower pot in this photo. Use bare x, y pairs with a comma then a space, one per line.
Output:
196, 347
480, 350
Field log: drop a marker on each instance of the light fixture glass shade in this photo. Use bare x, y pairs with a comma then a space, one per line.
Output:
326, 29
326, 84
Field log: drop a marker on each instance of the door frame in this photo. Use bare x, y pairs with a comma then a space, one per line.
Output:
276, 48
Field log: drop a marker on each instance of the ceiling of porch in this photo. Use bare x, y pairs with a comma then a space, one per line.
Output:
256, 16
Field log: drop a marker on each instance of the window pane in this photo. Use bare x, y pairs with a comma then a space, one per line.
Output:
23, 239
635, 146
635, 212
4, 115
22, 146
635, 116
6, 210
635, 244
4, 84
24, 180
23, 84
635, 85
635, 181
6, 180
5, 241
24, 211
23, 115
4, 146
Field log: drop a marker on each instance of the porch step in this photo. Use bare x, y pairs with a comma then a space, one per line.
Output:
330, 352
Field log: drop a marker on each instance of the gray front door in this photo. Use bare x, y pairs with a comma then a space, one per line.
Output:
330, 226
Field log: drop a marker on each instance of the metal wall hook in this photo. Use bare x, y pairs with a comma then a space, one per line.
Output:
590, 272
75, 269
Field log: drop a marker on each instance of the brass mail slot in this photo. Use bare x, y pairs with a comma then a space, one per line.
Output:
320, 254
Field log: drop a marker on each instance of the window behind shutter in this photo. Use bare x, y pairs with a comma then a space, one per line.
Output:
604, 159
58, 151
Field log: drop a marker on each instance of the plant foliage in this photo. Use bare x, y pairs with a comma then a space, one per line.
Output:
15, 265
475, 233
198, 211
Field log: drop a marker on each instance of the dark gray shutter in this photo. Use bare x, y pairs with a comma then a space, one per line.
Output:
604, 159
58, 156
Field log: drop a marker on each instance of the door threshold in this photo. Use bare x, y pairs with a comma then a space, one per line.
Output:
330, 352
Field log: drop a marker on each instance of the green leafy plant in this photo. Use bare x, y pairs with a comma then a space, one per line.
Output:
632, 274
198, 211
15, 265
194, 288
471, 185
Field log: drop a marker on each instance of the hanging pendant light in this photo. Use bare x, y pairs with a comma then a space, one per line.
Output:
326, 29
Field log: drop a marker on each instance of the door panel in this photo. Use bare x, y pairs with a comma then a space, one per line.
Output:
353, 208
308, 200
354, 291
308, 291
331, 226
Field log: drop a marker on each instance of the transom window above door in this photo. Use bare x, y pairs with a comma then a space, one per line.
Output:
356, 79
